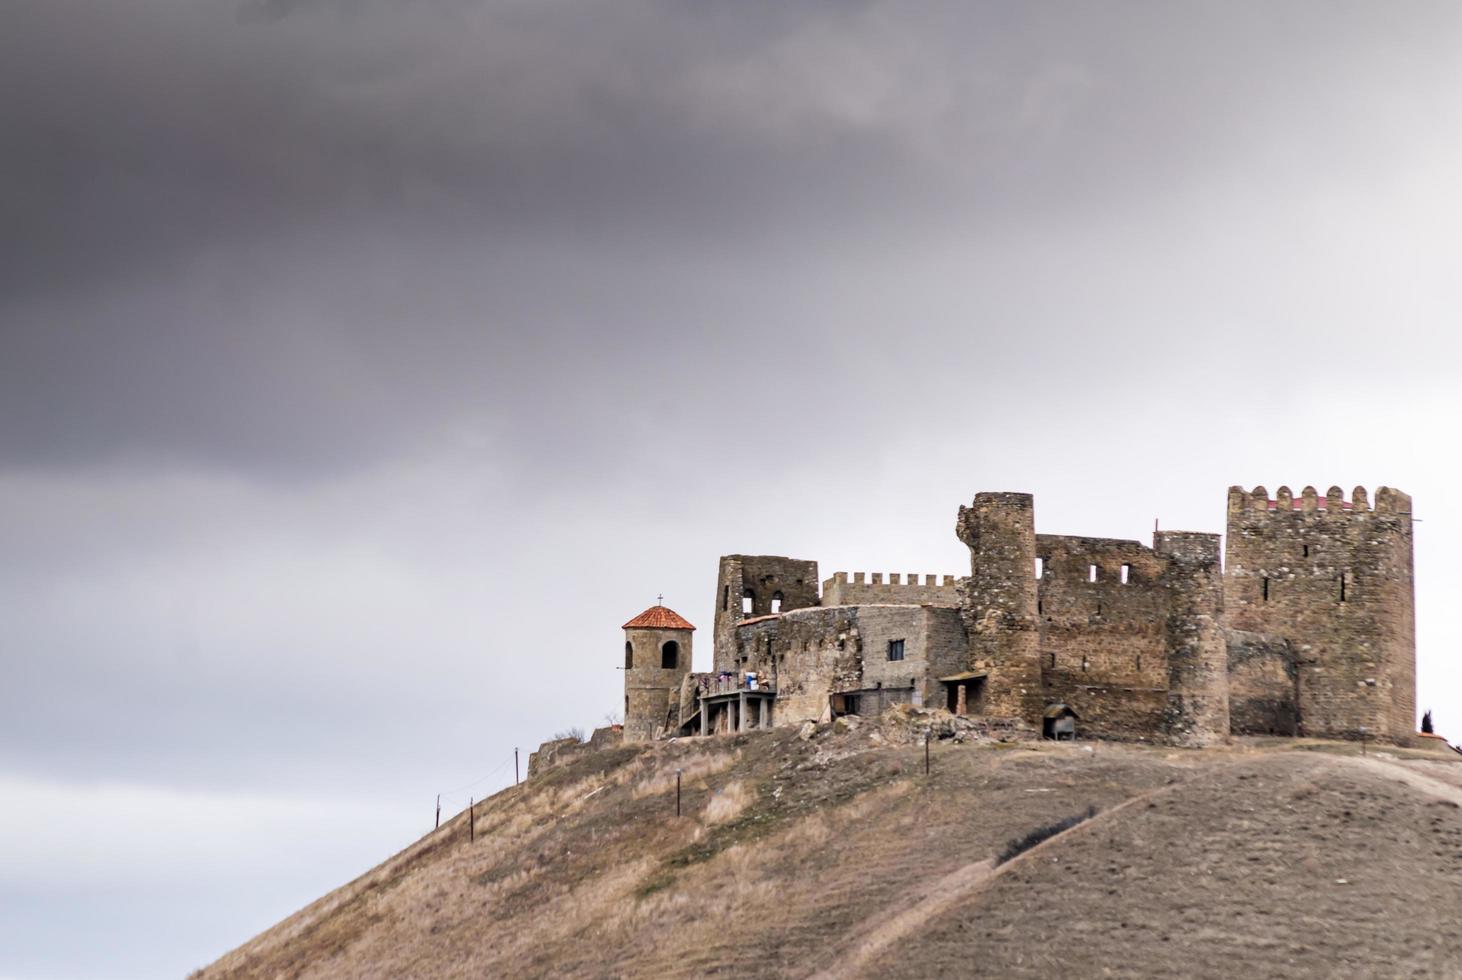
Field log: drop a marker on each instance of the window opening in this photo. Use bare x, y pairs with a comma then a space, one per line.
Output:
1052, 664
629, 655
1266, 589
1342, 586
1040, 567
1091, 573
748, 602
1305, 550
895, 649
1126, 574
726, 597
776, 602
1085, 663
670, 655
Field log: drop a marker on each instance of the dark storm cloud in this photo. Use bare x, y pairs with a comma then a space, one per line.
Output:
288, 236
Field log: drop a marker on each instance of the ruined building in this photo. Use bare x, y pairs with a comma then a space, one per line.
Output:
1304, 625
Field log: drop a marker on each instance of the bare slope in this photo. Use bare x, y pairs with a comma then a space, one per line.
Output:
840, 856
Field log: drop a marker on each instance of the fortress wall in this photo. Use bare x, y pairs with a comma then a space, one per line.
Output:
805, 654
860, 588
1261, 685
1103, 635
1334, 578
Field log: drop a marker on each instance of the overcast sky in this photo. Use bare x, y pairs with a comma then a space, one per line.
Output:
364, 364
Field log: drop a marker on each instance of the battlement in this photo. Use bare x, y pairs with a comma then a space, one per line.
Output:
860, 588
1388, 501
893, 578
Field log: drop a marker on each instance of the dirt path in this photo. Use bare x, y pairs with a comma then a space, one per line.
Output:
1427, 784
878, 932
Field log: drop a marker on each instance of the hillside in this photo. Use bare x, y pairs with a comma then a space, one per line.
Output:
837, 856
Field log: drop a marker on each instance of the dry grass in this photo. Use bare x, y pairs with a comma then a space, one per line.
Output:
788, 849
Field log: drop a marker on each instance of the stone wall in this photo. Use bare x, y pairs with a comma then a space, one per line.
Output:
805, 655
1103, 606
867, 588
1262, 685
789, 583
1333, 577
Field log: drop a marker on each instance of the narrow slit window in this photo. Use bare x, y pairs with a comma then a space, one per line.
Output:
629, 655
1091, 573
1265, 588
1342, 587
1139, 663
1040, 567
1305, 550
1085, 663
1126, 574
1052, 662
726, 597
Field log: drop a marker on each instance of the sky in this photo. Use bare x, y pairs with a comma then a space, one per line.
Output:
364, 364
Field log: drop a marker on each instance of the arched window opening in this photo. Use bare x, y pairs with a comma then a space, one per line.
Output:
670, 655
777, 602
629, 655
748, 602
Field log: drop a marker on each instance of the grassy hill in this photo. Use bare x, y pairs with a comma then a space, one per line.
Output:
837, 856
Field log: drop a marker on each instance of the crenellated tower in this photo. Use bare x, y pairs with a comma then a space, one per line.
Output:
1329, 581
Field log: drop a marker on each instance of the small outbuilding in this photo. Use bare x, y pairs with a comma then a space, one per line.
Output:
1060, 722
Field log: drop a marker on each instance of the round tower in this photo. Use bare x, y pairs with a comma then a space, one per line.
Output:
656, 660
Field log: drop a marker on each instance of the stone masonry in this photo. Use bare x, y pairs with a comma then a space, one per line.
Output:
1303, 623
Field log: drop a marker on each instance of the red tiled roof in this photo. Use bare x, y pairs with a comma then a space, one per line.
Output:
659, 618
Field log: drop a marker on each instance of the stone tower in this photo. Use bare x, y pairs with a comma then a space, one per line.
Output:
999, 605
1197, 708
1330, 581
748, 586
656, 660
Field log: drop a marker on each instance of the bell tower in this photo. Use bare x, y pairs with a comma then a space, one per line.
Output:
656, 660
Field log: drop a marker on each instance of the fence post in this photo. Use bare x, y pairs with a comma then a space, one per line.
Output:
515, 766
677, 792
926, 752
471, 820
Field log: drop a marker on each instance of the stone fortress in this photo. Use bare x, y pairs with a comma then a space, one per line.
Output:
1304, 626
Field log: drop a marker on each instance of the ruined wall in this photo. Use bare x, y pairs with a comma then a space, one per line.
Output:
1103, 640
805, 655
1333, 578
651, 692
844, 589
1262, 685
999, 602
811, 653
763, 579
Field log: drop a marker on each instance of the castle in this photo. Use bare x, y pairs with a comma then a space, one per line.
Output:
1305, 627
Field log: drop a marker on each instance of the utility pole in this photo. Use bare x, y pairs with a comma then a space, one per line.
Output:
515, 765
471, 820
926, 751
677, 792
439, 813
